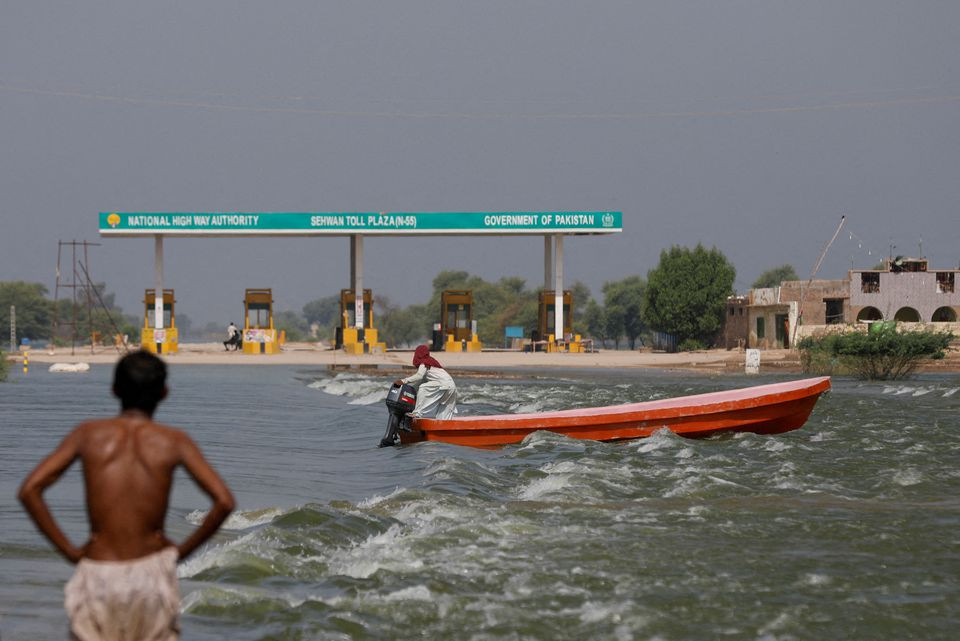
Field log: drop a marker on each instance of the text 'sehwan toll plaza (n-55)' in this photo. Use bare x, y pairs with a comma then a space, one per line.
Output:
553, 226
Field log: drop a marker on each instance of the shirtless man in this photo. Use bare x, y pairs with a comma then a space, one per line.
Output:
125, 584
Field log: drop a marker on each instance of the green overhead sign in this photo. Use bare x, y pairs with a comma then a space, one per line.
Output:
343, 223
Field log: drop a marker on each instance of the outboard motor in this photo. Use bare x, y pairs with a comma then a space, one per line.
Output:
401, 399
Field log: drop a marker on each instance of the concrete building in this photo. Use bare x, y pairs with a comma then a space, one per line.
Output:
906, 290
820, 302
735, 323
769, 319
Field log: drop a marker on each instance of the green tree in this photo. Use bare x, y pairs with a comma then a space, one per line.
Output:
402, 327
324, 312
614, 323
581, 298
293, 325
4, 365
625, 299
33, 309
687, 292
594, 318
773, 277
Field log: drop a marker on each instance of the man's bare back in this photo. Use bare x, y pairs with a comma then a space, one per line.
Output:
125, 584
128, 465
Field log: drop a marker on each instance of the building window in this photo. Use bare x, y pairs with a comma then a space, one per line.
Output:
869, 314
733, 312
907, 315
945, 282
944, 315
870, 282
760, 333
834, 311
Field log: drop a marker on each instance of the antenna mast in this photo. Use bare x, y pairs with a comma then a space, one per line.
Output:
813, 275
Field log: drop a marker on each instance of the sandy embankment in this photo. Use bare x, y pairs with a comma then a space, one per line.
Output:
718, 361
310, 354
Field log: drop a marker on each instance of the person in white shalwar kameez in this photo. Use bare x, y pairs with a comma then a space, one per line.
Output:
436, 391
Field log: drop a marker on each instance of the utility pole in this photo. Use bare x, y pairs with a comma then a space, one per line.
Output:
13, 328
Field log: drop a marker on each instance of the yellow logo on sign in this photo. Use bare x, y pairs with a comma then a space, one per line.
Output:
113, 219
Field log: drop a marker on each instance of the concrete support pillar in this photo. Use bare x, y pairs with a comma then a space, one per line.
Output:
356, 278
547, 262
558, 286
158, 281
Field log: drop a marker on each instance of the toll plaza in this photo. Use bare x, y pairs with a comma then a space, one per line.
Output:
547, 318
553, 226
259, 334
350, 337
457, 326
160, 335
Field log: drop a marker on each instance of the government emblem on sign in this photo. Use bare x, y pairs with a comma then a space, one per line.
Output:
608, 220
113, 220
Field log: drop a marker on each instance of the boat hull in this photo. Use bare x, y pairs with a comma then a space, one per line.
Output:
764, 409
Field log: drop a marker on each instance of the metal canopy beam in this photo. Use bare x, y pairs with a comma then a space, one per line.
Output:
367, 224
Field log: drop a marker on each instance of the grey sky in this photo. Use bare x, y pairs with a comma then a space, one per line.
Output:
751, 126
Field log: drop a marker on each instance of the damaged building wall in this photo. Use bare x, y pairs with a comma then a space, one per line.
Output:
823, 302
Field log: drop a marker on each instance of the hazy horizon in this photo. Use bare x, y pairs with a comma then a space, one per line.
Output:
751, 127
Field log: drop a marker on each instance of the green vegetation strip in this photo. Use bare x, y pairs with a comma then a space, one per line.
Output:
882, 354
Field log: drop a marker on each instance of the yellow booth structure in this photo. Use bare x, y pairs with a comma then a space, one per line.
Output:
259, 334
566, 341
159, 338
456, 321
353, 337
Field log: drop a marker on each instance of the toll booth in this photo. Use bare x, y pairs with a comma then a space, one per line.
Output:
457, 326
164, 340
353, 339
259, 334
566, 341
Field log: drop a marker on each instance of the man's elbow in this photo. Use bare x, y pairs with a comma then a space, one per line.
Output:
226, 502
27, 494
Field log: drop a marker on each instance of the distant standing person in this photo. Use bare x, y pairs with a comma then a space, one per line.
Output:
436, 391
232, 333
125, 584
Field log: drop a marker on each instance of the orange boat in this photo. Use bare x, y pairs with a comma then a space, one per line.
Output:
764, 409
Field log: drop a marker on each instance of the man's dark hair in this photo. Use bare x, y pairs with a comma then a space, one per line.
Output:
139, 381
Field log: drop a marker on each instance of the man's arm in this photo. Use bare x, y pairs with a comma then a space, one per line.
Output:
417, 376
43, 476
211, 483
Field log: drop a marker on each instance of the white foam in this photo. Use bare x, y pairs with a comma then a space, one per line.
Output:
951, 392
78, 368
380, 551
660, 439
816, 580
364, 390
217, 556
527, 408
377, 499
773, 445
240, 520
413, 593
541, 487
908, 477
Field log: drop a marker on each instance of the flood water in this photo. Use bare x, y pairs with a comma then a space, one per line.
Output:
848, 528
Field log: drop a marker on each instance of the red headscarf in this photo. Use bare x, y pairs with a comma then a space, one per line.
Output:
422, 356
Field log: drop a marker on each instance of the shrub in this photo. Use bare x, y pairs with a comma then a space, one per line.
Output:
3, 366
691, 345
874, 355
